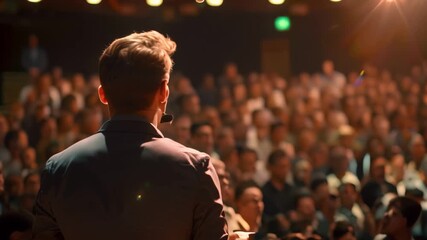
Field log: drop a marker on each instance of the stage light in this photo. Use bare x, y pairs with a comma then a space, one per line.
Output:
154, 3
276, 2
335, 0
282, 23
214, 3
93, 1
34, 1
200, 1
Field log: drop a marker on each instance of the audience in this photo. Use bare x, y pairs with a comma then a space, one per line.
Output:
309, 157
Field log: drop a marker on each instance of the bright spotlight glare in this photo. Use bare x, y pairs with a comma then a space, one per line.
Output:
276, 2
93, 1
154, 3
214, 3
34, 1
335, 0
200, 1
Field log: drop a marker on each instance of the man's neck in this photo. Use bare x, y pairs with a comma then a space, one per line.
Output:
150, 115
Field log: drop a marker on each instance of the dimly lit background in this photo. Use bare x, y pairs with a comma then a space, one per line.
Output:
390, 34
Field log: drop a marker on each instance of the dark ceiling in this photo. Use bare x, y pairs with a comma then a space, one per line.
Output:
139, 8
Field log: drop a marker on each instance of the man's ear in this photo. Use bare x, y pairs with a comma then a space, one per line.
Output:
101, 95
164, 91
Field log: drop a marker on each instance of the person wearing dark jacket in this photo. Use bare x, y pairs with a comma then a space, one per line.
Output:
128, 181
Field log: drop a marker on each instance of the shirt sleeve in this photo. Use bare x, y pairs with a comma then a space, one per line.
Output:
45, 226
209, 219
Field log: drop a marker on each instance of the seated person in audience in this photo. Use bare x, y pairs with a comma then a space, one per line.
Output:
202, 138
302, 173
353, 211
400, 217
227, 193
249, 206
326, 199
376, 180
339, 163
278, 194
247, 164
304, 218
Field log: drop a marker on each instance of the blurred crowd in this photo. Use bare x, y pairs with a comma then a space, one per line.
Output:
316, 156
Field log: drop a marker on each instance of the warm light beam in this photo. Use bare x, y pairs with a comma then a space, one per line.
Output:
276, 2
94, 2
154, 3
214, 3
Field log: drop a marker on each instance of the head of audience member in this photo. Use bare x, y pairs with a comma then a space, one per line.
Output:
417, 149
377, 169
189, 104
16, 226
225, 140
239, 93
231, 73
247, 163
208, 82
319, 120
211, 115
261, 120
320, 189
375, 146
202, 137
396, 169
78, 83
339, 161
298, 122
43, 84
400, 217
249, 204
343, 230
48, 129
182, 85
89, 121
224, 179
304, 216
328, 67
278, 132
14, 185
181, 126
302, 171
255, 89
346, 136
42, 111
348, 195
306, 140
279, 166
32, 183
16, 141
69, 104
29, 158
318, 156
140, 87
16, 115
65, 122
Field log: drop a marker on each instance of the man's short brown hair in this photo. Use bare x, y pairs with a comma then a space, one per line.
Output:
132, 68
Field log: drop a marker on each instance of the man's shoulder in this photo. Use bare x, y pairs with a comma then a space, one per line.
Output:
86, 146
167, 145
